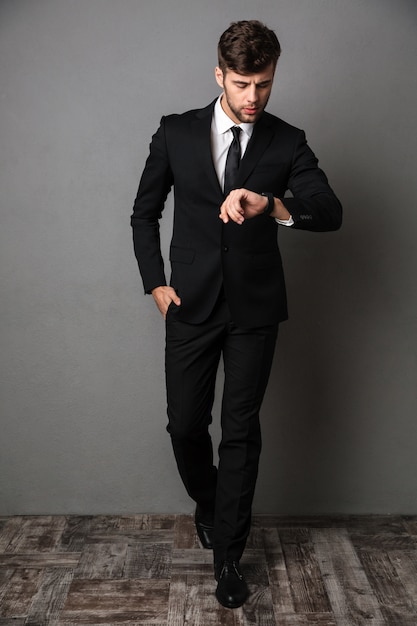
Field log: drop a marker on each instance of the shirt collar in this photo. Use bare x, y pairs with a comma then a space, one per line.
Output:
222, 122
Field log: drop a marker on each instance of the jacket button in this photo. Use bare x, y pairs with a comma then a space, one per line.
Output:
225, 248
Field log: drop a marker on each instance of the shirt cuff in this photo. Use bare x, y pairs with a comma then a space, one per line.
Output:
288, 222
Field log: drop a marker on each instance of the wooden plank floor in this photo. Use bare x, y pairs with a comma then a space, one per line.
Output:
150, 570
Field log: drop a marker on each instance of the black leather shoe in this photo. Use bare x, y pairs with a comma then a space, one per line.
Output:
204, 528
232, 590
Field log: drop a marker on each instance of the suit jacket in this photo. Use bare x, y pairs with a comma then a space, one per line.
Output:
206, 254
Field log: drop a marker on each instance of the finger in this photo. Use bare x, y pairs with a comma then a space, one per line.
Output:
235, 202
230, 214
173, 297
236, 213
232, 209
223, 213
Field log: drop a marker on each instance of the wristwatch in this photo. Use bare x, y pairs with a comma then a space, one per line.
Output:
270, 206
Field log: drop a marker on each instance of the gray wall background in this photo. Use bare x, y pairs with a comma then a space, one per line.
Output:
83, 86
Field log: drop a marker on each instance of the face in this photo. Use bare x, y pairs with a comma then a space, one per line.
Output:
245, 95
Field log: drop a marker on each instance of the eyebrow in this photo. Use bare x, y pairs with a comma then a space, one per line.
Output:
263, 83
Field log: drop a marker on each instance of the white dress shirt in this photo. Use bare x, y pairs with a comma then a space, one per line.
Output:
222, 137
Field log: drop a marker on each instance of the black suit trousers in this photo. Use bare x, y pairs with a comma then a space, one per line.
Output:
193, 354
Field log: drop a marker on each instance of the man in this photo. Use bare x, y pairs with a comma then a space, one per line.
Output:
226, 294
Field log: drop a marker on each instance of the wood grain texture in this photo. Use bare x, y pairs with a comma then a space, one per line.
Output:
143, 570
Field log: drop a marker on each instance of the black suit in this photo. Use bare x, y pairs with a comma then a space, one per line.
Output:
231, 284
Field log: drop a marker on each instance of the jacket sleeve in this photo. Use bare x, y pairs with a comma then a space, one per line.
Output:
155, 184
314, 206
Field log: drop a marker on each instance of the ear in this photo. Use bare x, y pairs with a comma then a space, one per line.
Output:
219, 77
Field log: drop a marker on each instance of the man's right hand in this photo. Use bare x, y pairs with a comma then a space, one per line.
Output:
163, 297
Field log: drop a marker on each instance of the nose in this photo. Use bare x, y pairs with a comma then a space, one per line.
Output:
252, 94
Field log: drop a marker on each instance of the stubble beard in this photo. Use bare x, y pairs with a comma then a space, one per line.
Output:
243, 117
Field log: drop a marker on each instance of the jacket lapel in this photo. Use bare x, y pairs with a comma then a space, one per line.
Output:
261, 138
202, 141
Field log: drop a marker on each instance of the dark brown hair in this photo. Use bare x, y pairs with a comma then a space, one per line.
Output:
248, 47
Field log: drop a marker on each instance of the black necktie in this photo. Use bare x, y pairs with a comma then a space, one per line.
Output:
232, 161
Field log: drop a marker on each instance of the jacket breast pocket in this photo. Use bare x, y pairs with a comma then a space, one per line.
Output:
181, 255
